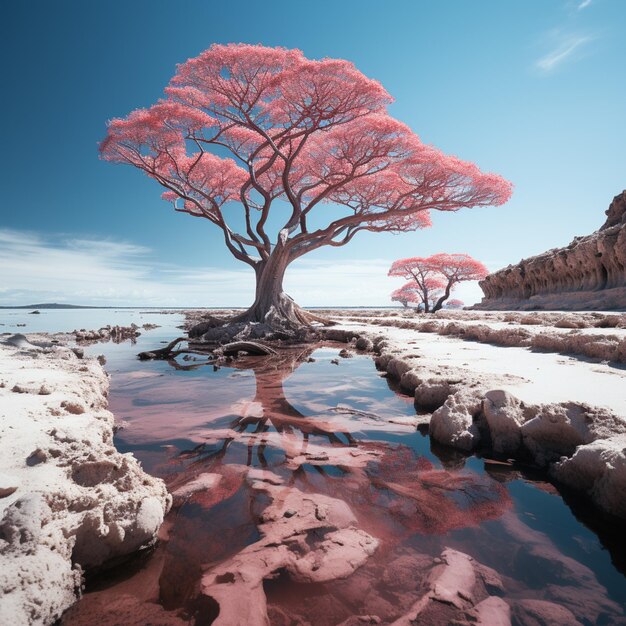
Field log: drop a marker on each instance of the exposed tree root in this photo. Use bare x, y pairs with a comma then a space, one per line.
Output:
164, 353
251, 347
281, 320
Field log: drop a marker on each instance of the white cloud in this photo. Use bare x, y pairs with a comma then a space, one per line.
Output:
566, 48
584, 4
93, 271
36, 268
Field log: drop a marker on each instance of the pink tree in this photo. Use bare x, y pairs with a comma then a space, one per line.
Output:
426, 295
300, 134
455, 304
405, 294
438, 272
425, 278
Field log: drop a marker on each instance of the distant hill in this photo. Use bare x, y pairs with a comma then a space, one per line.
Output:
53, 305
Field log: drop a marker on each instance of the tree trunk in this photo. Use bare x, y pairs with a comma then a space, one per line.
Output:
443, 298
270, 299
271, 304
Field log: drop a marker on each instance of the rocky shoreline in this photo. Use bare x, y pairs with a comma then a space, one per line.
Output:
69, 502
580, 445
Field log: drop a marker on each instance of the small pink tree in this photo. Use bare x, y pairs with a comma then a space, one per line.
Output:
299, 134
406, 294
455, 304
426, 296
425, 279
439, 271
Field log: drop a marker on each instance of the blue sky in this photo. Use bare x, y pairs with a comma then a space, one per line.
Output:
532, 89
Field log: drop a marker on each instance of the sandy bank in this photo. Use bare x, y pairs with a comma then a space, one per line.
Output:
69, 501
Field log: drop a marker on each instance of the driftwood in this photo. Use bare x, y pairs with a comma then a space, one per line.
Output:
169, 352
251, 347
164, 353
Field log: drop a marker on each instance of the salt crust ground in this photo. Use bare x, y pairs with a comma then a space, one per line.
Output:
567, 413
68, 500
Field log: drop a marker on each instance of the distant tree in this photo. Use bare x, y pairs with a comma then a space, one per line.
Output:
421, 276
439, 271
455, 304
300, 133
406, 294
412, 293
456, 268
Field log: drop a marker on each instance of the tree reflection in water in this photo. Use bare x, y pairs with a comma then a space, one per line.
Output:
379, 479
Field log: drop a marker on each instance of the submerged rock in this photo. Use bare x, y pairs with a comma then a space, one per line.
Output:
457, 591
311, 537
543, 613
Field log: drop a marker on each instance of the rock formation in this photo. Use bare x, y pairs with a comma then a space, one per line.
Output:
590, 273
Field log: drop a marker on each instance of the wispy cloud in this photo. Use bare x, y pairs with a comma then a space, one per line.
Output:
584, 4
53, 268
566, 48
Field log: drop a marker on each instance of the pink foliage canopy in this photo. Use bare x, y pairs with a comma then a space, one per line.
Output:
455, 303
442, 266
458, 267
405, 294
303, 131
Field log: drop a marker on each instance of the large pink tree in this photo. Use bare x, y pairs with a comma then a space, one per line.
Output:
283, 155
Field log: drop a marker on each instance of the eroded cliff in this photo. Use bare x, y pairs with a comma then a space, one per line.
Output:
589, 273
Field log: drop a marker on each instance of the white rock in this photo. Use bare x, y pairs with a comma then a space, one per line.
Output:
452, 424
82, 503
598, 468
555, 431
504, 418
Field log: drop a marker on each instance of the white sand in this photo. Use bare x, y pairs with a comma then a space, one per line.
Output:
541, 377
